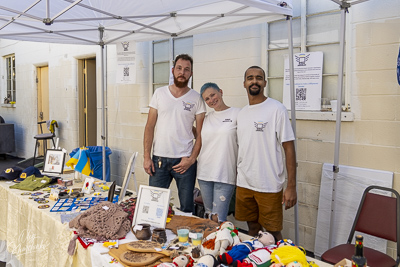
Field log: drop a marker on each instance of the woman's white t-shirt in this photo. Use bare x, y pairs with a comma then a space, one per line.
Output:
218, 154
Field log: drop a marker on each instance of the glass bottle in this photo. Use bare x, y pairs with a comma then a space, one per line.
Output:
358, 259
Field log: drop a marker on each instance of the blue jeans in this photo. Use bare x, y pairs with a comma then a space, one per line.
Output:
163, 176
216, 198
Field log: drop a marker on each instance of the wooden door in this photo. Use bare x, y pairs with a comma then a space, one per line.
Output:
42, 101
87, 102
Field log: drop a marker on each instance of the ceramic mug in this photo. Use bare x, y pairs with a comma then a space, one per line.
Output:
142, 231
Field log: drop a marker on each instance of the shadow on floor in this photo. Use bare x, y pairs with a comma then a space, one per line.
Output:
8, 161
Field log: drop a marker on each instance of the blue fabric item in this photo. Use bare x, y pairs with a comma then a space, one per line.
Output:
96, 161
240, 251
398, 68
184, 182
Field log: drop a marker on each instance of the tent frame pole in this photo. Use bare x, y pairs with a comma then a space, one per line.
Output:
344, 10
293, 116
103, 111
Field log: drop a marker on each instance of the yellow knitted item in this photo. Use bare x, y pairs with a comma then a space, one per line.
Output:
52, 124
288, 254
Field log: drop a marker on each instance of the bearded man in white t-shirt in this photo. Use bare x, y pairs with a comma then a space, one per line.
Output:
265, 136
173, 110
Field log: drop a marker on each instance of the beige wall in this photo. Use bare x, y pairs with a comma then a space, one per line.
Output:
370, 141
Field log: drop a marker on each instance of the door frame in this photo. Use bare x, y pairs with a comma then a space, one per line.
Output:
91, 98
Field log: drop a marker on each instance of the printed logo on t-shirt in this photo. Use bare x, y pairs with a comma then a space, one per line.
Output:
187, 105
227, 120
260, 126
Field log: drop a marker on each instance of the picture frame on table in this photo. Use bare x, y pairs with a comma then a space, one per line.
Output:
87, 185
152, 206
54, 161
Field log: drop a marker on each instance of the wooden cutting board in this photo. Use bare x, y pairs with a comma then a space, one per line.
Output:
156, 258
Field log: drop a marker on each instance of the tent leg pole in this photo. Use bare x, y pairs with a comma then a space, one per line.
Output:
103, 115
344, 9
103, 112
293, 116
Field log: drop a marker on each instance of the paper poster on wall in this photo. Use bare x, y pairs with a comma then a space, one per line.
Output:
126, 62
307, 81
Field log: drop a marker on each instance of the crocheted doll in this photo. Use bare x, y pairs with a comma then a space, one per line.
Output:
284, 242
289, 255
180, 261
207, 261
258, 258
220, 241
241, 250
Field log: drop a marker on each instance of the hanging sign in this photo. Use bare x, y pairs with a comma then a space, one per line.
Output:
307, 81
126, 62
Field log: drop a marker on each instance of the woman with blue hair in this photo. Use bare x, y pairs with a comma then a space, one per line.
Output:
216, 167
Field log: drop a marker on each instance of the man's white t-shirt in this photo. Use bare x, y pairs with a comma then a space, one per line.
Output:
173, 136
218, 154
261, 129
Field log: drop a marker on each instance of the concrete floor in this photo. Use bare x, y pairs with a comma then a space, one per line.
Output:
8, 161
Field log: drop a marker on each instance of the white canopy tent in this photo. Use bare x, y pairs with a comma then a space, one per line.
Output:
105, 22
79, 21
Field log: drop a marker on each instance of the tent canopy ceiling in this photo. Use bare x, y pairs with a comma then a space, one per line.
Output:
78, 21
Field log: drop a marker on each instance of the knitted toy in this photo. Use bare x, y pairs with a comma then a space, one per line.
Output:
241, 250
258, 258
284, 242
289, 255
292, 264
180, 261
207, 261
220, 241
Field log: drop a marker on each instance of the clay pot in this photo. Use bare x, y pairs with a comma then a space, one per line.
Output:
143, 234
159, 235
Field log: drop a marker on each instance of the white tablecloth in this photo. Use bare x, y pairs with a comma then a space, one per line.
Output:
33, 236
100, 256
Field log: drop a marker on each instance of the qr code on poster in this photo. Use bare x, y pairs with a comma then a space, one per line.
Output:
301, 93
145, 209
126, 71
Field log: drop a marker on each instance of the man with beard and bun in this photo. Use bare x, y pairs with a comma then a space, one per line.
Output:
263, 129
174, 109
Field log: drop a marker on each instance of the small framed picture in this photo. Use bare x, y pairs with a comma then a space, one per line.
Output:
54, 161
152, 206
87, 185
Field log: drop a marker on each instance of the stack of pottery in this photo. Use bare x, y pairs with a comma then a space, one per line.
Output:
159, 235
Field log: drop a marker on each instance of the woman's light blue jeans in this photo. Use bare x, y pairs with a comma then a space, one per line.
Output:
216, 198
